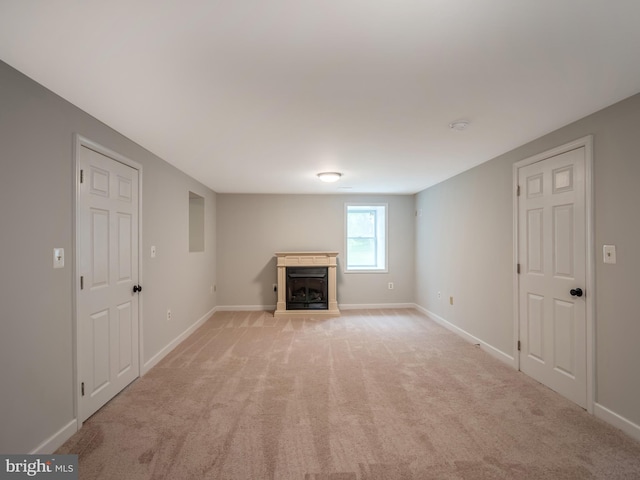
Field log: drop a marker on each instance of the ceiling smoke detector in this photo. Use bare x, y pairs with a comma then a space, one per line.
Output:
459, 125
329, 177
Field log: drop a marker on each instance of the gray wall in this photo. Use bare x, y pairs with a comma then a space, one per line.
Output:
464, 248
36, 192
251, 228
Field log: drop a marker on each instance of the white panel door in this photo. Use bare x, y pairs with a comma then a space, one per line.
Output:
108, 265
552, 257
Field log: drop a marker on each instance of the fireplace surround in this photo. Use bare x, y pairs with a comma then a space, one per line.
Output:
307, 284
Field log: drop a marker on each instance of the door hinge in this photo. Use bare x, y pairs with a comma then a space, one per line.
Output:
518, 347
81, 283
81, 176
518, 268
82, 388
518, 190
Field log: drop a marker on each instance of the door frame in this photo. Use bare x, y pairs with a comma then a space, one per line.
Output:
587, 143
78, 142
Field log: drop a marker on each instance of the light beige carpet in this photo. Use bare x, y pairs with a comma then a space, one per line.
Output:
371, 395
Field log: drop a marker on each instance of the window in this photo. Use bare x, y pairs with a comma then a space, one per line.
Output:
366, 227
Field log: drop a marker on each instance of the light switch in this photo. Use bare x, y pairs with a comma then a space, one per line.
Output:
609, 253
58, 257
153, 251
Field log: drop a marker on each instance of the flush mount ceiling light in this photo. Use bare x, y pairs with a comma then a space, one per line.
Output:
459, 125
329, 176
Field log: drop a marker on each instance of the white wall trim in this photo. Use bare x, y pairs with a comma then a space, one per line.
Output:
153, 361
591, 273
618, 421
342, 306
490, 349
246, 308
364, 306
56, 440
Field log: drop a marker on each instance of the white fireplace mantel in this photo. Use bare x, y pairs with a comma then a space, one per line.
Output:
306, 259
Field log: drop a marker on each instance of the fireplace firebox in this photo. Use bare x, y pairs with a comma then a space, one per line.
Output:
307, 288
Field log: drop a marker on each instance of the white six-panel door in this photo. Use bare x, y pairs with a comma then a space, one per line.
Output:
107, 307
552, 256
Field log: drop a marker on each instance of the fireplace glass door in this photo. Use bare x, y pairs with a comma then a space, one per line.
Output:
307, 288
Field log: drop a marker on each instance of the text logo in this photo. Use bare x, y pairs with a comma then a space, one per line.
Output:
52, 467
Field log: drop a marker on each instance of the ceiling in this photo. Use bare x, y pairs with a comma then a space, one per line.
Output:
253, 96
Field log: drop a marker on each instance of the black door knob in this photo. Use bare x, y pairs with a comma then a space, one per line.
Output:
576, 292
138, 288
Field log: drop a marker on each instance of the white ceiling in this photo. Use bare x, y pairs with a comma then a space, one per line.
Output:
253, 96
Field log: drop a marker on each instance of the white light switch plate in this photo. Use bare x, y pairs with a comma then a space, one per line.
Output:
58, 257
609, 253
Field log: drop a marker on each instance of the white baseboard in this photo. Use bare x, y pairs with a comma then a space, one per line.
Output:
618, 421
490, 349
56, 440
364, 306
342, 306
153, 361
245, 308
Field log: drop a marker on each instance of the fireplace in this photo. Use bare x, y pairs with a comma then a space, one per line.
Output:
307, 288
307, 284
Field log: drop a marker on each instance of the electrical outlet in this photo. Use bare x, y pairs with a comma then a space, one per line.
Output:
439, 295
390, 285
168, 315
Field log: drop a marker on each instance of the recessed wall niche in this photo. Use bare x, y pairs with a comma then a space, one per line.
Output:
196, 222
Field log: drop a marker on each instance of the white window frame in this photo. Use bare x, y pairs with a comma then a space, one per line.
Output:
382, 240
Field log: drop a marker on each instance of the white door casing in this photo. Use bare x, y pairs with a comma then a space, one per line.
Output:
553, 253
107, 309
